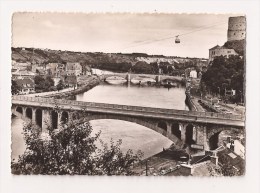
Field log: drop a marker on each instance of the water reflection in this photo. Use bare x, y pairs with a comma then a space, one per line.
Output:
147, 96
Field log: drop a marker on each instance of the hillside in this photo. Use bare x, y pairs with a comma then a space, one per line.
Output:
108, 61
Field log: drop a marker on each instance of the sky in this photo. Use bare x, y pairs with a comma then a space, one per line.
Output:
121, 32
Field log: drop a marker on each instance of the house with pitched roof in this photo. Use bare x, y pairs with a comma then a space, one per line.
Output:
220, 51
26, 85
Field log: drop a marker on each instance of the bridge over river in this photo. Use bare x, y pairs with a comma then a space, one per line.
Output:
130, 76
190, 127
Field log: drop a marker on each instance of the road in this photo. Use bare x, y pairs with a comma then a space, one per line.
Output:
233, 108
49, 93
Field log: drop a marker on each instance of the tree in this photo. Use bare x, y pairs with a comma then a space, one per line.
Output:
44, 84
38, 79
227, 168
60, 85
15, 88
142, 67
225, 73
72, 150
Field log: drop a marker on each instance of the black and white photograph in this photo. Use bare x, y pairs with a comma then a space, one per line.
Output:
128, 94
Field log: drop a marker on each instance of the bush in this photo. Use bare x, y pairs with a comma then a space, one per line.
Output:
72, 150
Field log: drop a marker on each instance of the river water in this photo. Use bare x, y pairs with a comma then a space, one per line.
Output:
134, 136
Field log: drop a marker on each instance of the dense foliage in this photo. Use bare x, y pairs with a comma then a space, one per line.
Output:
142, 67
60, 85
227, 168
72, 150
43, 83
224, 73
15, 88
237, 45
115, 67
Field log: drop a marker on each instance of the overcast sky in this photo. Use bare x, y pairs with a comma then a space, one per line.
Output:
125, 33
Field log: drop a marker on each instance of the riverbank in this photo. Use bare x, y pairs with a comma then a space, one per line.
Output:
85, 84
42, 94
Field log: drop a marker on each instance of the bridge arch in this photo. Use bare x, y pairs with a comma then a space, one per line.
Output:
19, 109
38, 117
189, 134
28, 112
64, 117
150, 125
54, 119
162, 125
214, 135
175, 130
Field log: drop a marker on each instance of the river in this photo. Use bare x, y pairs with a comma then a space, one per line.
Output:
134, 136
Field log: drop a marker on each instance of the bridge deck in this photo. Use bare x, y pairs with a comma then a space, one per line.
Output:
148, 112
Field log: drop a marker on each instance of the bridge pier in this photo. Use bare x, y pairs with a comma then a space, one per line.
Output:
194, 133
46, 117
59, 120
70, 116
33, 116
169, 129
128, 78
158, 78
24, 112
201, 137
183, 131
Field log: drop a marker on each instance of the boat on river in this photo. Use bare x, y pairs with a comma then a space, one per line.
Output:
143, 81
170, 84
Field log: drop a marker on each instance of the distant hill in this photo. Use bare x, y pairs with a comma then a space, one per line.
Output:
238, 45
108, 61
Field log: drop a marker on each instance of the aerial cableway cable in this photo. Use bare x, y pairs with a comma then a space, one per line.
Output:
177, 39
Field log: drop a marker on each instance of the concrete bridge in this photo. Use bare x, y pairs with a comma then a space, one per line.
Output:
198, 129
130, 76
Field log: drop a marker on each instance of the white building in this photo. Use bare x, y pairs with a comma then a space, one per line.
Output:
193, 74
22, 74
220, 51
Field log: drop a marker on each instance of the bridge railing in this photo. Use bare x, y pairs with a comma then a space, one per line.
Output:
127, 107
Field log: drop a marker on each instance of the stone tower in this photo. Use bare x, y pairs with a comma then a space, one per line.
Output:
236, 28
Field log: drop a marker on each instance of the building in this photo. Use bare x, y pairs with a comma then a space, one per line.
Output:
21, 65
86, 70
18, 74
220, 51
27, 85
73, 68
193, 74
60, 69
236, 28
51, 68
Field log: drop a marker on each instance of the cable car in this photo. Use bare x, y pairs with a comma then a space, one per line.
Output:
177, 40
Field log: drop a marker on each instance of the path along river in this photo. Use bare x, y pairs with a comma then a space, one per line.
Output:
134, 136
